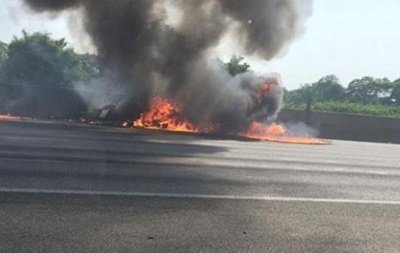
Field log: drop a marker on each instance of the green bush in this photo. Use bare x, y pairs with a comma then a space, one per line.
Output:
357, 108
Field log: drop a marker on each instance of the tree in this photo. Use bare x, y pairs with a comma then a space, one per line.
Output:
370, 96
37, 59
368, 90
328, 89
301, 98
235, 66
3, 58
40, 72
395, 95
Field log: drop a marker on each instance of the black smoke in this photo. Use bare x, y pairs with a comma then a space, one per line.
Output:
147, 52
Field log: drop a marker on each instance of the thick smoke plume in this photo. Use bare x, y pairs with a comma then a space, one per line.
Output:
148, 51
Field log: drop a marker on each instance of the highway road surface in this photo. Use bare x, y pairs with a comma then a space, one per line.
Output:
67, 187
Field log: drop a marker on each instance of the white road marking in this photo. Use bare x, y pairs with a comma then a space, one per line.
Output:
202, 196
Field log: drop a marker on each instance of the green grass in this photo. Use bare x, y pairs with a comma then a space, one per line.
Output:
355, 108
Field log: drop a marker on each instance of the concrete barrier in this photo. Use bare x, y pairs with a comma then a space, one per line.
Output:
347, 126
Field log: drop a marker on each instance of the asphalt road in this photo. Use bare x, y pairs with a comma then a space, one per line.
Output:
67, 187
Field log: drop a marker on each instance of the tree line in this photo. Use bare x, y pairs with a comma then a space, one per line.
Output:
366, 95
38, 73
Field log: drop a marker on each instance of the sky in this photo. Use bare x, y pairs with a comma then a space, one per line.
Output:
347, 38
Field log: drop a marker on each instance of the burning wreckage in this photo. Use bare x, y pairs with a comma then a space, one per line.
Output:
158, 73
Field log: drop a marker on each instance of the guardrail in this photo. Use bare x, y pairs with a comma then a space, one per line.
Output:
347, 126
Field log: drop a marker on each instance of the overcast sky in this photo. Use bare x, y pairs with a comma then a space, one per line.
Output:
348, 38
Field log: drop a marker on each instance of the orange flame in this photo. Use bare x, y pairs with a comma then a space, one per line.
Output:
265, 89
8, 117
277, 133
165, 115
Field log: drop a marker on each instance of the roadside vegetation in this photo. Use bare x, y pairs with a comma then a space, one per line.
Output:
38, 72
367, 96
